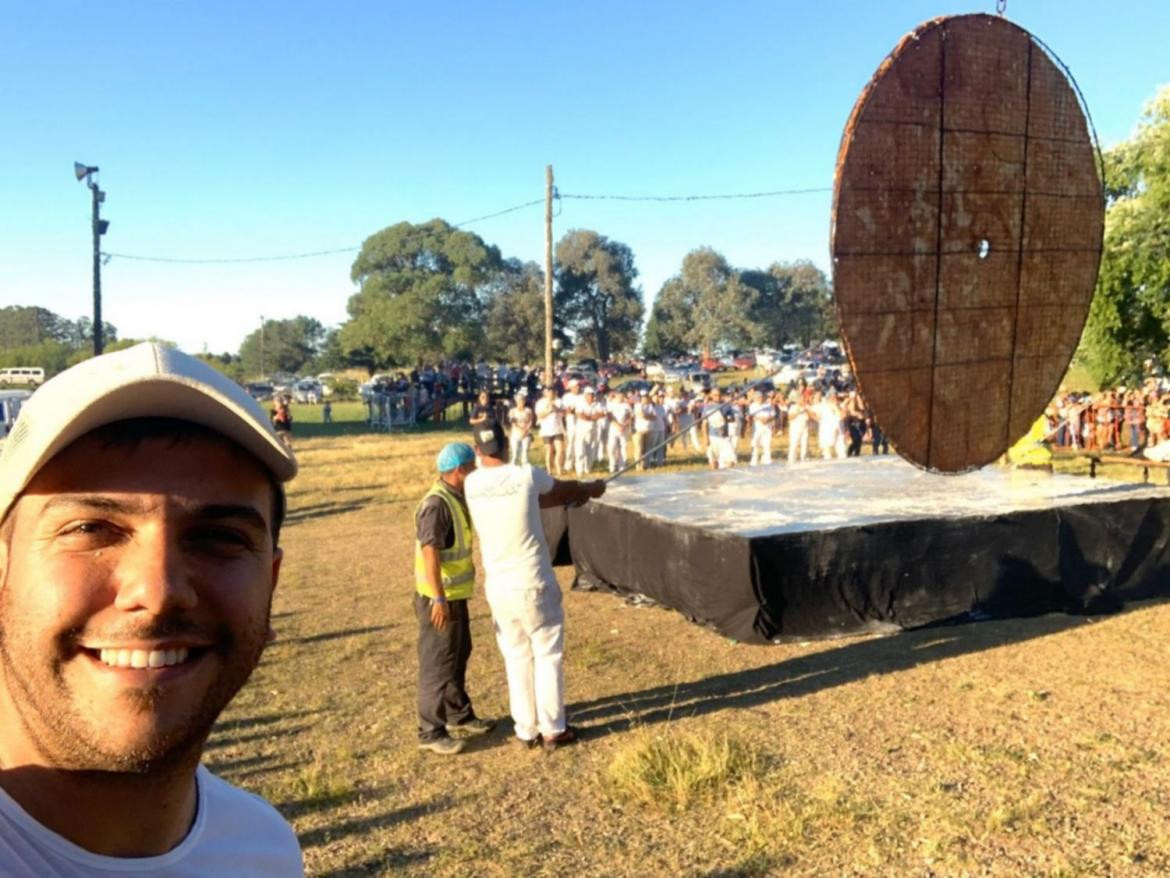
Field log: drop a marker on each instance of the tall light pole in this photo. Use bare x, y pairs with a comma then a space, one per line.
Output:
100, 226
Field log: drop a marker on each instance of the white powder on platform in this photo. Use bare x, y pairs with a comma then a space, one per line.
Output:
823, 495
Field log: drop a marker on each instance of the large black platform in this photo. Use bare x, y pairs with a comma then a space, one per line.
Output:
838, 547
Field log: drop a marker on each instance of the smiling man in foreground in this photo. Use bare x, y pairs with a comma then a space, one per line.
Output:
141, 499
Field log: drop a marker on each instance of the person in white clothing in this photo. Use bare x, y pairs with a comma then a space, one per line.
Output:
717, 417
644, 418
140, 513
570, 400
521, 419
762, 416
830, 435
552, 431
523, 593
798, 424
620, 417
589, 412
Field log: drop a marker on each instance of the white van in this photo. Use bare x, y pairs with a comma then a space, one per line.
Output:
34, 376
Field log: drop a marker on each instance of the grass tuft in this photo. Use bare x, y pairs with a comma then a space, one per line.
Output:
672, 771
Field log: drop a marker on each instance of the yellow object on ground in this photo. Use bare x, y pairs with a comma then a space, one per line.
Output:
1031, 450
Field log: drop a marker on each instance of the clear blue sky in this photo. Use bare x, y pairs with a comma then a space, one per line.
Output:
242, 129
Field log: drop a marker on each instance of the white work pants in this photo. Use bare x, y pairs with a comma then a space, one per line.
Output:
761, 445
520, 449
570, 444
798, 438
583, 447
615, 448
529, 627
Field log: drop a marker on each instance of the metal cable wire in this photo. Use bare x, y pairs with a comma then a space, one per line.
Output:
308, 254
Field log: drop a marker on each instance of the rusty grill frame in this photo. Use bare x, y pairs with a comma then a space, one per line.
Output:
967, 231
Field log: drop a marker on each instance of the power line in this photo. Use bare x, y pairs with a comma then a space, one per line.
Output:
723, 197
310, 254
307, 254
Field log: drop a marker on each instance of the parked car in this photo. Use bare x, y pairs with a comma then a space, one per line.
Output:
10, 403
308, 390
711, 364
788, 373
259, 390
745, 361
655, 370
637, 386
697, 381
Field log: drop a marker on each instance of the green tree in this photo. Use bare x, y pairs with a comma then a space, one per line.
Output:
794, 303
514, 325
703, 306
50, 355
281, 346
597, 302
419, 296
25, 325
1129, 321
227, 363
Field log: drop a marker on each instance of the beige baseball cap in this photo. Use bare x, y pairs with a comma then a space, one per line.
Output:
145, 381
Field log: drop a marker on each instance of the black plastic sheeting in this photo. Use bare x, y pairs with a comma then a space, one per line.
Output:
1087, 558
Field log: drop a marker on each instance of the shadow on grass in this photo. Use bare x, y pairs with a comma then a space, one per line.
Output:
230, 767
236, 725
386, 863
808, 674
324, 510
331, 635
217, 743
300, 807
359, 827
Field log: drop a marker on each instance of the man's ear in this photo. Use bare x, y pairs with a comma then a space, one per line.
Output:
277, 558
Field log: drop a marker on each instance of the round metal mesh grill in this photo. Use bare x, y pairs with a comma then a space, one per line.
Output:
967, 226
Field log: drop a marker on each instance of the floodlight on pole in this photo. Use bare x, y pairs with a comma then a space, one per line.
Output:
100, 226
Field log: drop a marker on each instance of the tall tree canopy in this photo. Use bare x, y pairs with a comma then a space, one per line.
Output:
596, 299
1129, 322
703, 306
282, 346
419, 295
25, 325
794, 303
515, 313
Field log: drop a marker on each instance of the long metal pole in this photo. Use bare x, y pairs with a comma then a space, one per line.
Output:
548, 277
97, 271
629, 466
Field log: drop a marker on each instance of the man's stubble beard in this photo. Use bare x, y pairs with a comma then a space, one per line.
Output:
67, 741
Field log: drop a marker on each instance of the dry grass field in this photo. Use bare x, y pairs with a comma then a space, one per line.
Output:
1024, 747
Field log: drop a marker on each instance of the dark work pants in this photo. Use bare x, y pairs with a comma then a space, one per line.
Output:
442, 669
856, 435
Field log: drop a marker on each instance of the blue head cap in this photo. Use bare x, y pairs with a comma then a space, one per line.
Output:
454, 455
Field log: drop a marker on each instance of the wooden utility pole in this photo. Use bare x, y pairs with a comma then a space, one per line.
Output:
548, 277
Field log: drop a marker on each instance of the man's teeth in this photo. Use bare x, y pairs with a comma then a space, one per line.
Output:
143, 658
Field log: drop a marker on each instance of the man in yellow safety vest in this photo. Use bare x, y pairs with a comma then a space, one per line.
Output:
444, 576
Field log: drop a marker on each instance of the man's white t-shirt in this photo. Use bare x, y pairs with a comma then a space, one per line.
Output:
619, 413
551, 422
761, 414
234, 833
505, 509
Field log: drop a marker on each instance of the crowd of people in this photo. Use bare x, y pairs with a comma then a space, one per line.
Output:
1123, 420
581, 428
